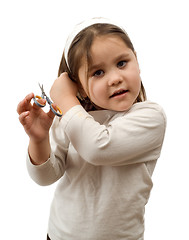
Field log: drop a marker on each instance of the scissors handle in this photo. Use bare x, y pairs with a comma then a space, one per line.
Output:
36, 102
56, 111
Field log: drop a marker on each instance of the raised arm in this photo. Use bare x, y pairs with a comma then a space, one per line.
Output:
129, 138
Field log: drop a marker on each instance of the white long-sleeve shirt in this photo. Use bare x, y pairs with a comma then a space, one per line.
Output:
104, 160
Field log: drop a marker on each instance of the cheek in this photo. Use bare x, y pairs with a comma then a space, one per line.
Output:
96, 91
136, 82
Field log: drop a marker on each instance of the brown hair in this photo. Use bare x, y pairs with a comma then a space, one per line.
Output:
81, 45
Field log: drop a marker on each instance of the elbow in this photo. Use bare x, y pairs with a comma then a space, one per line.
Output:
95, 160
97, 157
99, 151
41, 178
45, 174
44, 181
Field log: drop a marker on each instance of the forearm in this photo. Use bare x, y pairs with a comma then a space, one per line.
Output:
63, 93
39, 152
54, 165
67, 103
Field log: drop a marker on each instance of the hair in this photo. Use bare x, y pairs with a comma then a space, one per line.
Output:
80, 49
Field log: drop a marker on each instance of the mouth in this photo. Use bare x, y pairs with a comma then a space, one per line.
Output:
119, 93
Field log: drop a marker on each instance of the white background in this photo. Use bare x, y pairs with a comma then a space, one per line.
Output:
32, 37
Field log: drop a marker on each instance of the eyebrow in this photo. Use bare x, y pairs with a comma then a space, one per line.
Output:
122, 56
96, 66
99, 65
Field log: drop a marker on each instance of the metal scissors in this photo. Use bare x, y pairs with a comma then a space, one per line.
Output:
56, 111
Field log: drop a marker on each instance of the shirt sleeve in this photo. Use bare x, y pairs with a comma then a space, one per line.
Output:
134, 137
54, 168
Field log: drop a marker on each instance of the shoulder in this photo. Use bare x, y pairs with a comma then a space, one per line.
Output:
149, 110
146, 111
143, 114
147, 105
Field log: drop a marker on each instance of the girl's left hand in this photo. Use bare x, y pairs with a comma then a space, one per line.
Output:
63, 92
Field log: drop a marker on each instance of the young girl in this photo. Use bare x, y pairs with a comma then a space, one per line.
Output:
105, 147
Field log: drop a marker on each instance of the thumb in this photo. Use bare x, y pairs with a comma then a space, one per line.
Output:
50, 114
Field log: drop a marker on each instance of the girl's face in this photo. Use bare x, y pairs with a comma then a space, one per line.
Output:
114, 77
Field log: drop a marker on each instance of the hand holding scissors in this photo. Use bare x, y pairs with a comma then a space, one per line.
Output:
57, 111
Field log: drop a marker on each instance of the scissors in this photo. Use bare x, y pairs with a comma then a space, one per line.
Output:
56, 111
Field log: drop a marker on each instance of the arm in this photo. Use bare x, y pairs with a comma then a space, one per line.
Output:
45, 163
54, 168
63, 93
136, 136
36, 124
39, 151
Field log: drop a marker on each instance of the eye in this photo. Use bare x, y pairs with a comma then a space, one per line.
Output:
98, 73
121, 64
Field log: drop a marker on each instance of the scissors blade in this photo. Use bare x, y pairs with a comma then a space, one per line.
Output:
42, 89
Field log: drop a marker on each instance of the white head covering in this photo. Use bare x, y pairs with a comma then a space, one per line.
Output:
79, 27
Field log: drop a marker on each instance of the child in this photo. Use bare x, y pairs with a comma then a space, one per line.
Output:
105, 147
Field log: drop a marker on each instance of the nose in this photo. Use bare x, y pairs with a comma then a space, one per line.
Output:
114, 78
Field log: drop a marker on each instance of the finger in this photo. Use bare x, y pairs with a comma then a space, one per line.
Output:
40, 101
50, 113
64, 75
29, 97
25, 105
23, 117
